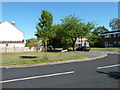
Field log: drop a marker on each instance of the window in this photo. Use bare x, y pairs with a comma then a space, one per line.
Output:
109, 35
115, 42
118, 42
114, 35
118, 34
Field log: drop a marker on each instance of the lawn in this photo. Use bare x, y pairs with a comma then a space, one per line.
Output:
105, 48
52, 57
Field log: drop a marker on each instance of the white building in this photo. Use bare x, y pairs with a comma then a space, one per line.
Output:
10, 35
82, 41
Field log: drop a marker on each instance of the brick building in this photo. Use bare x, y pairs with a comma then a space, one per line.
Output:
111, 39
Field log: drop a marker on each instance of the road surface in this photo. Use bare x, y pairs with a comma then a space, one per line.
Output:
87, 74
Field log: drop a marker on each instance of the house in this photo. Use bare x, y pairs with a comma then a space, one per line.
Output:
111, 39
10, 35
82, 41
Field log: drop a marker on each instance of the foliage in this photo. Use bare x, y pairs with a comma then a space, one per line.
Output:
95, 39
32, 39
100, 30
115, 24
44, 31
58, 34
73, 28
33, 43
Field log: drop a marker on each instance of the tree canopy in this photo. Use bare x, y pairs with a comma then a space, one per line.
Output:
73, 28
95, 39
115, 24
44, 30
44, 25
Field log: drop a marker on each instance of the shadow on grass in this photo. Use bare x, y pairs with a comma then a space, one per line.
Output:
28, 57
54, 51
113, 74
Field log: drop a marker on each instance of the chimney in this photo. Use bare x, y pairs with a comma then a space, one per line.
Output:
13, 23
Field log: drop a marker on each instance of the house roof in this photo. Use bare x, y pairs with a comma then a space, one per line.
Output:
6, 23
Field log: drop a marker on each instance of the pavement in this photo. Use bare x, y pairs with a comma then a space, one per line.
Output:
91, 55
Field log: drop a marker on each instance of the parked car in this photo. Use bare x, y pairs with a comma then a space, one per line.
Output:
50, 48
83, 48
67, 48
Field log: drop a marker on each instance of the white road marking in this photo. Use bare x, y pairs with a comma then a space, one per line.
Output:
50, 75
109, 66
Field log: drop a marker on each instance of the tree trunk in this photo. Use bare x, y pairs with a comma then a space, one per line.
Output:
73, 44
45, 48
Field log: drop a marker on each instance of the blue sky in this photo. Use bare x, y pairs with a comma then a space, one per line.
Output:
26, 14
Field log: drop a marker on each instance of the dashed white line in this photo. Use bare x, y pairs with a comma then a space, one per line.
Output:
50, 75
108, 66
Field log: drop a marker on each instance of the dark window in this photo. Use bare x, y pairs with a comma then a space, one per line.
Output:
112, 35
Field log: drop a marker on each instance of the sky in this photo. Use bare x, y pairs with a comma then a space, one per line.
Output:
26, 14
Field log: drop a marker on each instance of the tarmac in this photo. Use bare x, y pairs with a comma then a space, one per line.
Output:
91, 55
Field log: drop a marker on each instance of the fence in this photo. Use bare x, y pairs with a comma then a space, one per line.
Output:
17, 49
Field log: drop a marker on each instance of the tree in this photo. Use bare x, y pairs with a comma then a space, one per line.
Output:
33, 42
56, 40
73, 28
95, 39
99, 30
115, 24
43, 27
32, 39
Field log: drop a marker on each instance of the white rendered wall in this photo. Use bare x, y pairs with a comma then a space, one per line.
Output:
13, 45
9, 32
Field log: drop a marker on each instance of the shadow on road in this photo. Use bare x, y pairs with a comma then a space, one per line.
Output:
113, 74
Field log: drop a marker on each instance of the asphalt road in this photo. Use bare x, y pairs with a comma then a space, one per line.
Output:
87, 74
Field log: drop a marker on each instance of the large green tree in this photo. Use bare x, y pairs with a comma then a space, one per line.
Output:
44, 30
115, 24
56, 40
73, 28
95, 39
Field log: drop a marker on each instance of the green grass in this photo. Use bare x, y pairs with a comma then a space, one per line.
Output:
52, 57
105, 48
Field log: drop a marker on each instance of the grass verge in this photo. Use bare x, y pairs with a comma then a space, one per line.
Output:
105, 48
51, 57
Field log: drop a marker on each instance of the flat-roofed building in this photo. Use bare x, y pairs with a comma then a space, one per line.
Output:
111, 39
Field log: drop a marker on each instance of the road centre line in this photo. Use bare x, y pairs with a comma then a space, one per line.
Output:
50, 75
108, 66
